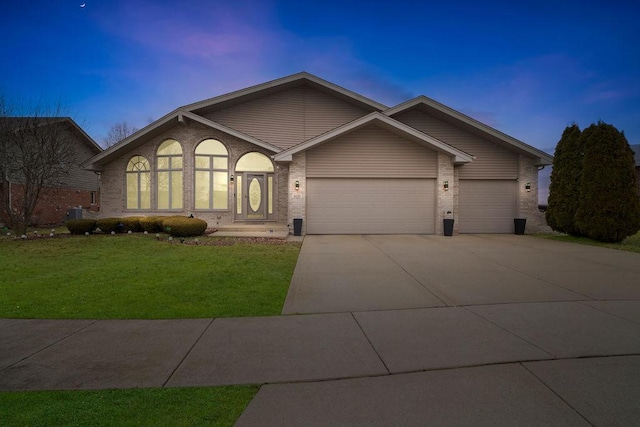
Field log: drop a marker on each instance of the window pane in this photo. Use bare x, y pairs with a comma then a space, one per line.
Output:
203, 162
138, 163
202, 190
176, 162
220, 163
254, 162
132, 191
163, 190
170, 146
163, 163
176, 190
145, 190
239, 194
211, 146
220, 190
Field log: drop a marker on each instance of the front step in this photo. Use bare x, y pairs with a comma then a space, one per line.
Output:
267, 230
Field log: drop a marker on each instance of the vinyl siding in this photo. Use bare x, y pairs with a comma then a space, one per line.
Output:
287, 118
371, 152
491, 160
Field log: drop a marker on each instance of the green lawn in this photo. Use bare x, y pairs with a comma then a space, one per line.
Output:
630, 244
139, 277
211, 406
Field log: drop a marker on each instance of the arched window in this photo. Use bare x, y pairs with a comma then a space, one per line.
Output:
169, 158
212, 175
138, 183
254, 162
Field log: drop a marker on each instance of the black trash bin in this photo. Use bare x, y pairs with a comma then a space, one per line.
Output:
297, 226
448, 227
519, 225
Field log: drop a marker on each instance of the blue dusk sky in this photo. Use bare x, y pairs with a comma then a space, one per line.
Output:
526, 68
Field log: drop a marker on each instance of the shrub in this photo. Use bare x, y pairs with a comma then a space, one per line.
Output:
131, 223
150, 224
184, 227
609, 208
107, 225
81, 226
161, 219
564, 190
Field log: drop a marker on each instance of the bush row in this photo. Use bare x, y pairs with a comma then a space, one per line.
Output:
178, 226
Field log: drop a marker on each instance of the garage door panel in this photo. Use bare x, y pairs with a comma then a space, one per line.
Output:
370, 206
487, 206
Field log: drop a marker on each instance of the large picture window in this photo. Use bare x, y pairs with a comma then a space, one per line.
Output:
138, 183
169, 158
211, 175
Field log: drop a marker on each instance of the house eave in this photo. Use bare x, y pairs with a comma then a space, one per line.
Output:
542, 158
281, 84
388, 124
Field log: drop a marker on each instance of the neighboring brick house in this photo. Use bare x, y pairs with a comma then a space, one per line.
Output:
301, 147
80, 188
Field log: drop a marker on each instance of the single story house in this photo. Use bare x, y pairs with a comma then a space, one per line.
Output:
77, 190
302, 147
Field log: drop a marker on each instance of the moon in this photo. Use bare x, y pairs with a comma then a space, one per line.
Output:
83, 5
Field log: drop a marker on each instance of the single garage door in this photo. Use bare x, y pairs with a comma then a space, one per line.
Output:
370, 206
487, 206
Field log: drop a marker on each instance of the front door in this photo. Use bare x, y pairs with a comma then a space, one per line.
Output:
255, 196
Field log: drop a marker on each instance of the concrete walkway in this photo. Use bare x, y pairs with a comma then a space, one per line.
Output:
494, 357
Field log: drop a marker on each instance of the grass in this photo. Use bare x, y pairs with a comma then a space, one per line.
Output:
211, 406
139, 277
630, 244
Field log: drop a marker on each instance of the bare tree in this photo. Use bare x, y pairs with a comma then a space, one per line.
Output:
36, 151
117, 133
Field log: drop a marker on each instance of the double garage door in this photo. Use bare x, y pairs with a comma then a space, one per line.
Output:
370, 206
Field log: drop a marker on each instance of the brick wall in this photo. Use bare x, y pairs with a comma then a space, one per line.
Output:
54, 203
528, 200
445, 198
297, 198
189, 136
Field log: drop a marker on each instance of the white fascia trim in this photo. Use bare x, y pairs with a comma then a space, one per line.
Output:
279, 82
230, 131
174, 115
459, 156
543, 158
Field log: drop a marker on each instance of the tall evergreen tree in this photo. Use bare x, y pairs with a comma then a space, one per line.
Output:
609, 207
564, 189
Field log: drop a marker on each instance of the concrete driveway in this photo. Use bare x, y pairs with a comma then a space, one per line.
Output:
374, 272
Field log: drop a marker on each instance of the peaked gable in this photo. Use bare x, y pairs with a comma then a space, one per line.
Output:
385, 123
463, 122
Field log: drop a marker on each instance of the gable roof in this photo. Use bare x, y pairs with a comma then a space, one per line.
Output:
140, 137
46, 121
470, 124
294, 80
386, 123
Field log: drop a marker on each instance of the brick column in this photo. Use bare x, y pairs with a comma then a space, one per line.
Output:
445, 198
297, 198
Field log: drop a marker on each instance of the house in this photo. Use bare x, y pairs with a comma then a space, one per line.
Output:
302, 147
78, 188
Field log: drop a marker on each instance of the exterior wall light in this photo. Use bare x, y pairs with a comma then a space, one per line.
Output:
297, 185
231, 178
528, 187
446, 186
